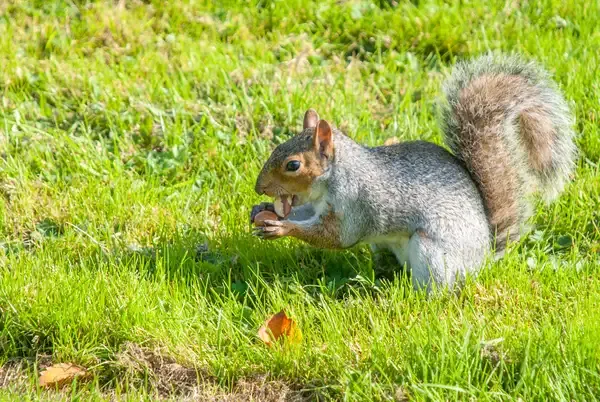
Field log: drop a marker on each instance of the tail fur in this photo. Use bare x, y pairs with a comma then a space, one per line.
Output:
511, 127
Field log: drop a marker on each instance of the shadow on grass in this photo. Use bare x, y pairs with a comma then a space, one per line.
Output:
231, 265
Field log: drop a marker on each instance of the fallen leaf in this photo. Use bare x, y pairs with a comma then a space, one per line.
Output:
62, 374
277, 326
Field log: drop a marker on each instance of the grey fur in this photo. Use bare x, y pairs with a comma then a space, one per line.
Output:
410, 195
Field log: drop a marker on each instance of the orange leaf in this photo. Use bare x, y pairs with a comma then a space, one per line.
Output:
62, 374
277, 326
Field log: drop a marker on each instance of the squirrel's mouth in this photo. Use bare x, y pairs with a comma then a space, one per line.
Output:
283, 204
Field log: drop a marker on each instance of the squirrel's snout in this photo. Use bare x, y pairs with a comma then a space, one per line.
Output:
259, 188
264, 183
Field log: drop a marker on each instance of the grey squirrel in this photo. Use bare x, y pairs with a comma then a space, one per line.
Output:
510, 133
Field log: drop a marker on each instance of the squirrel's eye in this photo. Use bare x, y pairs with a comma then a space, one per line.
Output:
292, 166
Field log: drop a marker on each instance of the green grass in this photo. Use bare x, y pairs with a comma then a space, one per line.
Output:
130, 135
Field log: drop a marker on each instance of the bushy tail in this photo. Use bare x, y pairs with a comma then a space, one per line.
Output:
509, 124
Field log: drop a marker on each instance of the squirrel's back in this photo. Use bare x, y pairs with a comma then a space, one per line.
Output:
512, 129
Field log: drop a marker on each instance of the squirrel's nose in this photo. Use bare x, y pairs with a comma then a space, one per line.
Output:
260, 189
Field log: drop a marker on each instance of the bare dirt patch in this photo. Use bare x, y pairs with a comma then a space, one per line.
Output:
185, 382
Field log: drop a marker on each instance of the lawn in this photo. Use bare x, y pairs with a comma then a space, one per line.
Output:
131, 135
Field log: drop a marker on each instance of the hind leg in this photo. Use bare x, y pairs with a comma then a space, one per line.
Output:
430, 264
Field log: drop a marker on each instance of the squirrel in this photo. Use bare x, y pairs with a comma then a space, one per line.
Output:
510, 135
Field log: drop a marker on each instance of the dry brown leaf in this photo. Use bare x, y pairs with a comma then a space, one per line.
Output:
62, 374
277, 326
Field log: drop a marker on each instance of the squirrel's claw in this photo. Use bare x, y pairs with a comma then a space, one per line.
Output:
273, 230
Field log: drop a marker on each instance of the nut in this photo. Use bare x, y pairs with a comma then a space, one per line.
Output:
261, 217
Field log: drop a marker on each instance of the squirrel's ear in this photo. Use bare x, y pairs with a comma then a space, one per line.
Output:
323, 139
311, 118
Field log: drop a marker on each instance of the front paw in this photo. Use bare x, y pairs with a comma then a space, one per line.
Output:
263, 206
274, 229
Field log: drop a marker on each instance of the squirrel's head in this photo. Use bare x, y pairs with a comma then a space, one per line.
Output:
293, 167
